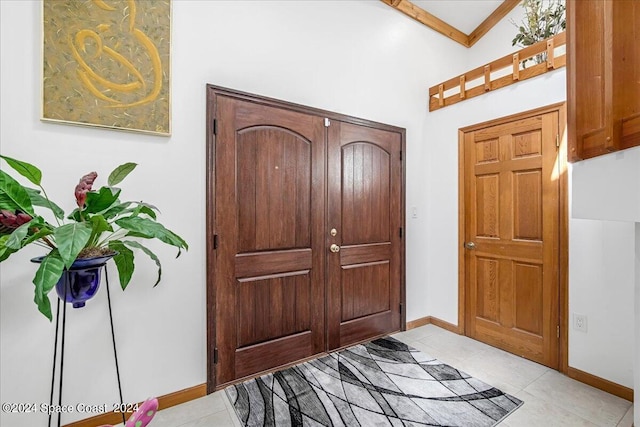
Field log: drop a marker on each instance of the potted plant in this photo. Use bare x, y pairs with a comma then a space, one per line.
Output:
98, 229
543, 19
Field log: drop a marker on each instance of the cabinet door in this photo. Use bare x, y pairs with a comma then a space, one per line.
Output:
603, 70
626, 72
589, 78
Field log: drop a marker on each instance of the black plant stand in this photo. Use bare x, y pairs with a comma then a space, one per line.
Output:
55, 350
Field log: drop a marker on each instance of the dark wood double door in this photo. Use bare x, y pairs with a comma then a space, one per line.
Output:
305, 226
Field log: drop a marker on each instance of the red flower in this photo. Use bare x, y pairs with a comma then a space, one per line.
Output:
7, 218
11, 220
83, 187
22, 218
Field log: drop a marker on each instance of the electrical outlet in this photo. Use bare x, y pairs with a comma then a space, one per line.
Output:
580, 322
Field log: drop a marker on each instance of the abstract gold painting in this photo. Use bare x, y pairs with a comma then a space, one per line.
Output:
106, 63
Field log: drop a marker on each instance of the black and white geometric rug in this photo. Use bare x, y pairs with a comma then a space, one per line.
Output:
380, 383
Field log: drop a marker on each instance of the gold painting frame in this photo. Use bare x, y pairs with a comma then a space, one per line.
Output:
107, 63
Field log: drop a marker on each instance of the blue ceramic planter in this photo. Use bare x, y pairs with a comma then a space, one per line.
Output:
81, 282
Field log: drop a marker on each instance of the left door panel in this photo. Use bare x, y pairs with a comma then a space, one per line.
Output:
269, 219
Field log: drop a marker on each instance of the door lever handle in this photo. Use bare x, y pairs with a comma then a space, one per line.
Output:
470, 245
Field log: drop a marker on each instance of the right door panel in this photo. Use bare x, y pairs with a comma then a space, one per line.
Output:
365, 208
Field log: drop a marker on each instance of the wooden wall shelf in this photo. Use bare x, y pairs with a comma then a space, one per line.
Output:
492, 76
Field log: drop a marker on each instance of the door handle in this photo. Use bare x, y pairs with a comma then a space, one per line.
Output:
334, 248
470, 245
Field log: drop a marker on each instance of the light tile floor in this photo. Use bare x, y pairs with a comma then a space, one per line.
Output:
550, 398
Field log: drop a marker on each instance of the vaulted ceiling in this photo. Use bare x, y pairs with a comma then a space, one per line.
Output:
464, 21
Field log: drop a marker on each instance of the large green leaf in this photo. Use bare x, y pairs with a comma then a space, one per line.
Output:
17, 236
151, 255
25, 169
115, 210
120, 173
124, 262
7, 202
38, 200
42, 232
137, 209
75, 215
146, 209
5, 252
140, 235
13, 195
48, 274
70, 239
101, 200
98, 226
151, 229
44, 306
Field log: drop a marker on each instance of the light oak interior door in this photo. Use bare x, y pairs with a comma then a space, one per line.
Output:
511, 198
365, 212
269, 220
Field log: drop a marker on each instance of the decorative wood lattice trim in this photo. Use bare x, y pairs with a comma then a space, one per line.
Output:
489, 77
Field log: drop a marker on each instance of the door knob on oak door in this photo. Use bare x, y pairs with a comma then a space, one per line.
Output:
470, 245
334, 248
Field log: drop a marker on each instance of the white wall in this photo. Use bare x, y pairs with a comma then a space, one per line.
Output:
357, 58
608, 187
636, 353
601, 278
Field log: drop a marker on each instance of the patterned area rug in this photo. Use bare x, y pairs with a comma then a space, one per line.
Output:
381, 383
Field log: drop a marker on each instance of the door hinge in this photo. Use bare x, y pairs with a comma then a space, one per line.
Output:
401, 309
215, 127
557, 140
401, 232
558, 331
327, 122
215, 241
400, 155
215, 355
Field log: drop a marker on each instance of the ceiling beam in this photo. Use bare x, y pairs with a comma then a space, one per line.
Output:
431, 21
437, 24
501, 11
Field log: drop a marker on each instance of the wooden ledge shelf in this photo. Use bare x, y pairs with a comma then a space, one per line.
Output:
492, 76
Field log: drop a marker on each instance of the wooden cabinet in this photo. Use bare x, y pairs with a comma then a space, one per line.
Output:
603, 76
